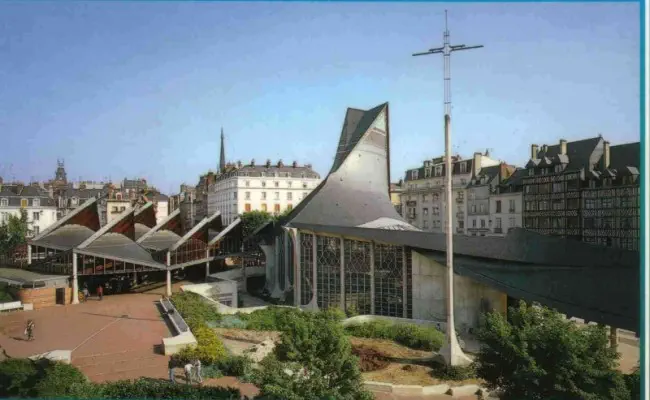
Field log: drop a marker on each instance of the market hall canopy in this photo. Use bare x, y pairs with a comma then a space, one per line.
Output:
80, 232
145, 219
71, 230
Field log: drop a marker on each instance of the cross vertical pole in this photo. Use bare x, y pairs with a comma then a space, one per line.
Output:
451, 351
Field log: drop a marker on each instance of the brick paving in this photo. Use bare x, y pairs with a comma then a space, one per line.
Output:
115, 338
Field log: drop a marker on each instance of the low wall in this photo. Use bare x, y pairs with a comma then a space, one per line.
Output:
43, 297
471, 298
173, 345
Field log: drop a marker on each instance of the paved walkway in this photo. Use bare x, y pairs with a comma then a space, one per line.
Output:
116, 338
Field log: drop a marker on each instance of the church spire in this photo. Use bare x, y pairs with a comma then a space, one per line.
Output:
222, 157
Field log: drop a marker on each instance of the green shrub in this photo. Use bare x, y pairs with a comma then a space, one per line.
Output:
352, 311
209, 348
269, 319
195, 310
453, 373
18, 376
58, 380
318, 353
240, 366
158, 389
409, 335
536, 354
633, 383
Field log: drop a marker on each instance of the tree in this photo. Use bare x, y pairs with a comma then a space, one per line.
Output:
13, 233
537, 354
251, 220
314, 361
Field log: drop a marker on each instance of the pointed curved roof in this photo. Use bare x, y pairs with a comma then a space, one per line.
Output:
356, 191
145, 219
71, 230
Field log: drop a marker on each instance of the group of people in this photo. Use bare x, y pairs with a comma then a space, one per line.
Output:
86, 292
192, 370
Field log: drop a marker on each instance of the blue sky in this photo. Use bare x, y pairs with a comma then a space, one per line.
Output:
142, 89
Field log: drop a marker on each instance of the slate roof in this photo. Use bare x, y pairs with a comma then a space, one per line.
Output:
14, 194
490, 173
625, 155
515, 182
455, 168
581, 153
270, 171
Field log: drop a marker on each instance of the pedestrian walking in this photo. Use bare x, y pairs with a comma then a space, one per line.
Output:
29, 330
100, 292
172, 365
86, 292
188, 373
197, 369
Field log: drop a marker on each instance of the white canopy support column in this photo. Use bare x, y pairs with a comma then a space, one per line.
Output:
29, 254
75, 282
404, 283
207, 264
168, 292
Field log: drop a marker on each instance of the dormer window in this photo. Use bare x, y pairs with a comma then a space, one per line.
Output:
36, 202
24, 203
74, 201
4, 202
414, 174
118, 196
463, 168
558, 168
439, 170
531, 172
427, 172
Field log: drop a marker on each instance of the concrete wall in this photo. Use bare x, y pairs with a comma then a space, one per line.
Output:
42, 297
470, 297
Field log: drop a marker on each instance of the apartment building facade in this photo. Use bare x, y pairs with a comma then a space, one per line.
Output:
273, 188
585, 190
423, 197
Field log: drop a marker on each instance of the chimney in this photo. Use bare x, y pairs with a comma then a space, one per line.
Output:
280, 164
562, 146
253, 162
268, 163
294, 164
533, 151
477, 163
606, 156
239, 164
544, 148
308, 166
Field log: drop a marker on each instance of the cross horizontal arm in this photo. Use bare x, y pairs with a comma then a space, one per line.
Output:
454, 48
427, 53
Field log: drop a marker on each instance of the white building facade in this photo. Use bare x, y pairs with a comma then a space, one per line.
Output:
507, 204
40, 208
423, 199
273, 188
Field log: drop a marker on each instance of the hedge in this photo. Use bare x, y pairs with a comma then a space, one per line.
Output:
195, 311
48, 379
409, 335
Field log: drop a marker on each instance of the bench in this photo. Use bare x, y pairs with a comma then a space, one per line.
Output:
184, 336
11, 306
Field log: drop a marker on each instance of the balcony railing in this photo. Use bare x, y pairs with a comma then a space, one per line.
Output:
498, 230
511, 210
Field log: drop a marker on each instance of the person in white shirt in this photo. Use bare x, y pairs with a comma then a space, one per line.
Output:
188, 373
197, 368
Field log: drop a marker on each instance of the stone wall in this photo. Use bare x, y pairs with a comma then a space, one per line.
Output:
43, 297
471, 298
